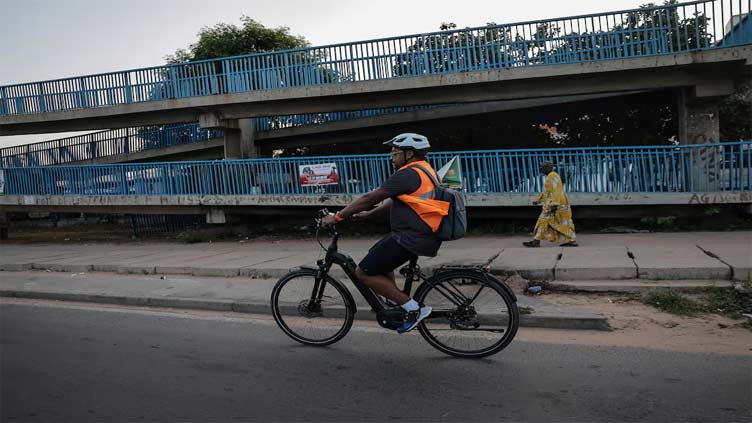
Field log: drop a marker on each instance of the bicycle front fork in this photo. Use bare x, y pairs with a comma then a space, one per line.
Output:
318, 286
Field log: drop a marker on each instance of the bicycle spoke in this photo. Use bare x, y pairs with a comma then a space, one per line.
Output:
306, 319
458, 292
453, 297
472, 317
477, 294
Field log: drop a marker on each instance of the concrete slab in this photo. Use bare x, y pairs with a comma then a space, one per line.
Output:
530, 263
676, 262
583, 263
738, 256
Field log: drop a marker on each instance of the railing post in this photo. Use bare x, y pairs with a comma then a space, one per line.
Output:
169, 180
40, 98
174, 85
127, 87
84, 94
352, 63
123, 182
4, 108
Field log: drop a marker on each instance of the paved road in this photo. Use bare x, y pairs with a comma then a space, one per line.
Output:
63, 363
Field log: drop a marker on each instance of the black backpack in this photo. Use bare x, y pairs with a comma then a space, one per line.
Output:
454, 224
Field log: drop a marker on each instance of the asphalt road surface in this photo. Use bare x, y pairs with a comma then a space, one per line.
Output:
107, 364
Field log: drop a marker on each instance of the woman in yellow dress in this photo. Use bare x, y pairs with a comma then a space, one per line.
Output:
555, 220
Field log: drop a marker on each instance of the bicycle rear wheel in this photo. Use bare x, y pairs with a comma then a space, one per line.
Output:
473, 315
310, 319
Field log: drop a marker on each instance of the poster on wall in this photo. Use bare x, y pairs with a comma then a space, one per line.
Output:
318, 174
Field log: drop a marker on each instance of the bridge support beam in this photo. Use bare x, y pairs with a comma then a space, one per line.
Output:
248, 148
232, 143
240, 135
216, 216
698, 119
699, 123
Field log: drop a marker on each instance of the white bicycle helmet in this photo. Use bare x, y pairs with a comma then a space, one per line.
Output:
410, 141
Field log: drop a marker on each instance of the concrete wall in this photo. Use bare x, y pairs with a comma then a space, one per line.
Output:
199, 204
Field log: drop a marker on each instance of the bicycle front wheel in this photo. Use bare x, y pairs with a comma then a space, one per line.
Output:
309, 313
473, 315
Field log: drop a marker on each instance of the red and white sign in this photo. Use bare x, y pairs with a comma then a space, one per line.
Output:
318, 174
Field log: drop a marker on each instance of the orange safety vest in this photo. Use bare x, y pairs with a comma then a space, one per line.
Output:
421, 201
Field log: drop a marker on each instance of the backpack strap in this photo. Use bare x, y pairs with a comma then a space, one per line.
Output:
430, 176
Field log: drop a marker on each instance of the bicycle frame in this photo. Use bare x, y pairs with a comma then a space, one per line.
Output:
333, 256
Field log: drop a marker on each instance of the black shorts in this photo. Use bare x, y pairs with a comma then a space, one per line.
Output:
385, 256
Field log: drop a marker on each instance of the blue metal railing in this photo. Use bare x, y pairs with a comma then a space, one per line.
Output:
103, 144
666, 29
289, 121
131, 140
664, 169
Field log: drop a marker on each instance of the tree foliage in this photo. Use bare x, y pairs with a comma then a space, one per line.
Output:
651, 29
224, 40
736, 114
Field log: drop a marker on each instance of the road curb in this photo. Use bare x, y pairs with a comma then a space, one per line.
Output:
636, 286
256, 273
578, 322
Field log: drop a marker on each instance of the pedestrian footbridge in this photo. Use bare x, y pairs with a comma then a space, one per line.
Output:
709, 174
699, 49
701, 46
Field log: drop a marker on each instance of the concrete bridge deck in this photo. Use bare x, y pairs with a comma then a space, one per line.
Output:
707, 73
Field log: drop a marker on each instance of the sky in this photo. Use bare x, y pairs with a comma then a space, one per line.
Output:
49, 39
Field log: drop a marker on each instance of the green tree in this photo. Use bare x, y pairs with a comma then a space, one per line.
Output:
224, 40
734, 114
453, 50
649, 30
190, 76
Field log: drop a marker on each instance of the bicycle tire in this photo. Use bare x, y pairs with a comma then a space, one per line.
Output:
430, 328
345, 308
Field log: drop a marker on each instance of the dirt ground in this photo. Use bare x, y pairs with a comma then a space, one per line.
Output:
640, 325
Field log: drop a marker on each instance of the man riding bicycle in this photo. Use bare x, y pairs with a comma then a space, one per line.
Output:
414, 217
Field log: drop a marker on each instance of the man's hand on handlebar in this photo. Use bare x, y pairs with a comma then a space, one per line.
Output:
328, 220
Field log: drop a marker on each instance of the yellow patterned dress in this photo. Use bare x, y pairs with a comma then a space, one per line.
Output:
556, 218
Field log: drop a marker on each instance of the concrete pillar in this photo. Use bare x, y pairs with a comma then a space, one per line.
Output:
216, 216
698, 119
240, 140
232, 143
248, 147
240, 135
699, 124
3, 226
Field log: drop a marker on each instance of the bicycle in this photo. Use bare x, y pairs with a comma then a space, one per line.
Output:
314, 308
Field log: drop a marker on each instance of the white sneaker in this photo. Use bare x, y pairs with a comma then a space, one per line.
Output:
413, 318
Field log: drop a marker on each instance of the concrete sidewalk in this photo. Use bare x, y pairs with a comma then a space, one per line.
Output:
693, 256
184, 275
231, 294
